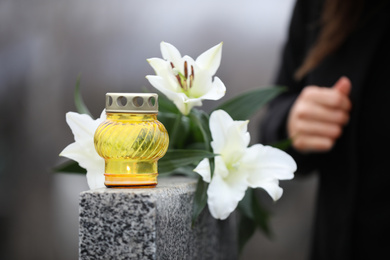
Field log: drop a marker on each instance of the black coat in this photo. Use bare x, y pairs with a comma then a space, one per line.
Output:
353, 201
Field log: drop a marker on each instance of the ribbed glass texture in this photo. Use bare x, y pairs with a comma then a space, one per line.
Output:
131, 144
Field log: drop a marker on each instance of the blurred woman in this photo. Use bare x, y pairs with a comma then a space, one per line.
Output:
336, 67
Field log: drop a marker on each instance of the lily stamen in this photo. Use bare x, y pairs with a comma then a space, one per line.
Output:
185, 70
185, 81
177, 75
192, 76
185, 90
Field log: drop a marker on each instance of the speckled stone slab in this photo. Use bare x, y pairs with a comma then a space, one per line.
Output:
151, 224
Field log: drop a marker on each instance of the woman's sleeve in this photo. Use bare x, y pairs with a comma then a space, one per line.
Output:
273, 126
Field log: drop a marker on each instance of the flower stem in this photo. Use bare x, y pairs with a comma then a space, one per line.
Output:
202, 121
175, 130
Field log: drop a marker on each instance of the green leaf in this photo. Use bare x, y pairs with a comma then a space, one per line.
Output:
245, 205
200, 199
262, 217
195, 134
202, 119
246, 229
174, 159
166, 105
174, 131
242, 107
282, 145
251, 210
196, 146
178, 127
167, 119
78, 99
185, 171
70, 167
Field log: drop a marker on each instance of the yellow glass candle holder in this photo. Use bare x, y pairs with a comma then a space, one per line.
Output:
131, 140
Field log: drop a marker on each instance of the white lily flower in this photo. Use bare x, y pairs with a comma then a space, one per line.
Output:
83, 149
184, 81
238, 166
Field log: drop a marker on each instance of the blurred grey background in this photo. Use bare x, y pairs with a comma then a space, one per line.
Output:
46, 44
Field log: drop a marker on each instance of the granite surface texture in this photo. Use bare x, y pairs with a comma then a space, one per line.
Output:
151, 224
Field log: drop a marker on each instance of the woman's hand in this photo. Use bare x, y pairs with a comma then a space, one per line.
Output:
318, 116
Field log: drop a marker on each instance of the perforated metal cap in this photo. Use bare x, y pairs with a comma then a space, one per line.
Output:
140, 103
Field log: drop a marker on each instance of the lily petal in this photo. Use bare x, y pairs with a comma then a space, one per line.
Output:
90, 161
211, 59
103, 116
82, 125
203, 86
188, 105
83, 149
239, 167
237, 142
273, 189
265, 166
159, 66
269, 162
230, 138
203, 169
220, 167
224, 195
160, 84
217, 90
195, 81
219, 122
170, 53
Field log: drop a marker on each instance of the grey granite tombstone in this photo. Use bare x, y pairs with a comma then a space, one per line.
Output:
151, 224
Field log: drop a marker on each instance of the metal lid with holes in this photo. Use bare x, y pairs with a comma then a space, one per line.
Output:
141, 103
